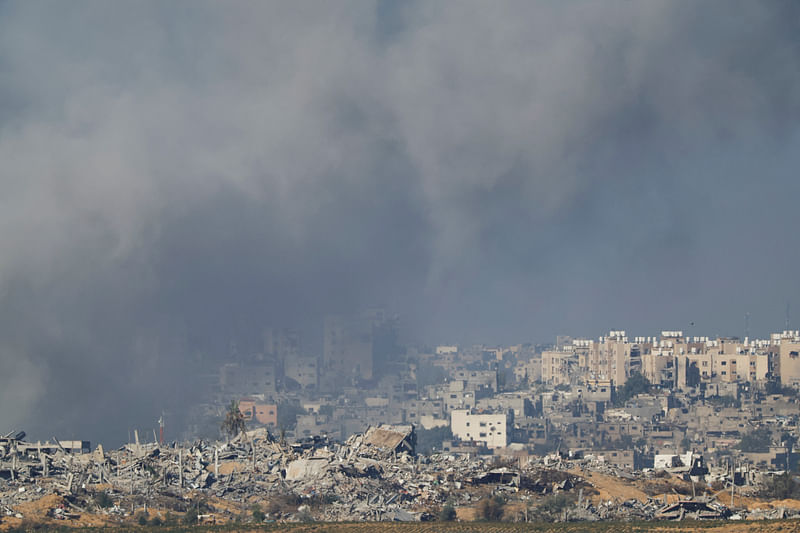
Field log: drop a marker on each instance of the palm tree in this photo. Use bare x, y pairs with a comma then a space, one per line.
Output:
233, 424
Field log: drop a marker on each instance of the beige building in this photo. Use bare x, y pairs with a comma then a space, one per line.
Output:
556, 366
530, 370
595, 390
489, 429
659, 369
609, 359
788, 357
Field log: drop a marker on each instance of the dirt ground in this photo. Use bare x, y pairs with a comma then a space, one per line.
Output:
37, 512
611, 488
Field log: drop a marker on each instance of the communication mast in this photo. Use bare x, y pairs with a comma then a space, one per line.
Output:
787, 317
161, 428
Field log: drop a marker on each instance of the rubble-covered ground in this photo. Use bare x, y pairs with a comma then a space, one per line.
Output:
256, 480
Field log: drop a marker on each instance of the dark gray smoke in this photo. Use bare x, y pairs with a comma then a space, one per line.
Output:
179, 175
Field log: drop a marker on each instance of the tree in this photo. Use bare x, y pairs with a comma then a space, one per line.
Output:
430, 439
258, 513
491, 509
788, 440
757, 441
448, 513
552, 506
635, 384
233, 424
782, 487
103, 500
287, 414
775, 387
724, 401
191, 517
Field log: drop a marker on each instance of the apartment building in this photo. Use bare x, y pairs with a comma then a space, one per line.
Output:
489, 429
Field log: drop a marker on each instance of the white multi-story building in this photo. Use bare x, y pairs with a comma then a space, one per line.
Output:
490, 429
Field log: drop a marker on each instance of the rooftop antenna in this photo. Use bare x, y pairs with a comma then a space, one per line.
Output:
787, 316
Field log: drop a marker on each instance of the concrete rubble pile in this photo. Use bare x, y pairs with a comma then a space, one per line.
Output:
372, 476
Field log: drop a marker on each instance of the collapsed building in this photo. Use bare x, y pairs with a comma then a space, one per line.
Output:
375, 475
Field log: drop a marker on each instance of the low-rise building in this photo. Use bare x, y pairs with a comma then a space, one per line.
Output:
263, 413
490, 429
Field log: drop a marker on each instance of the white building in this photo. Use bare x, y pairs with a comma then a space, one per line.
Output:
303, 370
490, 429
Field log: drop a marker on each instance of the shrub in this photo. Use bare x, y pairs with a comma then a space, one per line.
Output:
283, 503
635, 384
757, 441
429, 440
191, 517
782, 487
491, 508
258, 514
103, 500
553, 505
448, 513
141, 518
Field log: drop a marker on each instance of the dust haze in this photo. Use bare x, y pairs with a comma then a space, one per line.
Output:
178, 176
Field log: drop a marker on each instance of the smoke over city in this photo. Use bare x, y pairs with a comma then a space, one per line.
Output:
178, 176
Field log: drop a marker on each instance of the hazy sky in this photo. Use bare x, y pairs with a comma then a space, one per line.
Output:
176, 175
